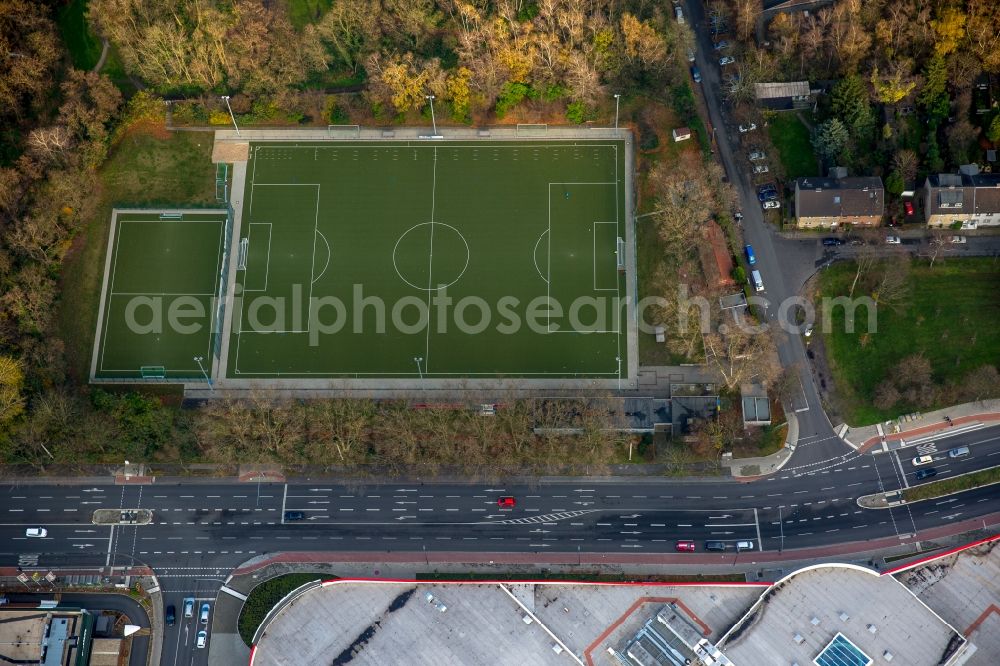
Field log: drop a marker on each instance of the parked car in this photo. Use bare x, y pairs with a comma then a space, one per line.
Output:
721, 46
922, 460
738, 216
36, 532
757, 155
761, 168
203, 616
958, 239
893, 240
908, 207
925, 473
716, 546
202, 639
748, 128
295, 515
171, 616
757, 280
691, 55
767, 195
832, 242
679, 14
744, 545
726, 60
506, 502
695, 74
189, 607
751, 257
771, 205
684, 546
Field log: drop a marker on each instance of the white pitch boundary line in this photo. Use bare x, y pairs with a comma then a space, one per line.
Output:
119, 226
430, 267
508, 375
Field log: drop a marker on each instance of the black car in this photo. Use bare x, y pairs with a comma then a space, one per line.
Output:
926, 473
717, 546
295, 515
171, 616
832, 241
769, 195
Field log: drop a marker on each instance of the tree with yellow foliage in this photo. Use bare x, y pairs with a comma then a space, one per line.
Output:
11, 383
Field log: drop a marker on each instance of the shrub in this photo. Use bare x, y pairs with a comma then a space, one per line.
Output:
577, 112
512, 94
218, 118
262, 599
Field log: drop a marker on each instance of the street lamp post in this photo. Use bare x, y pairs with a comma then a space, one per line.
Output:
430, 98
617, 100
419, 360
226, 99
198, 360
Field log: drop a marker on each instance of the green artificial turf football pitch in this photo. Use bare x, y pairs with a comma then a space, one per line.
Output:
447, 260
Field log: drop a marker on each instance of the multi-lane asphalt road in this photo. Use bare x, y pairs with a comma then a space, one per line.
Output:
200, 531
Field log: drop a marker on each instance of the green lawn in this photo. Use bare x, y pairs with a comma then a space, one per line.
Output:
408, 228
791, 138
950, 317
83, 45
143, 170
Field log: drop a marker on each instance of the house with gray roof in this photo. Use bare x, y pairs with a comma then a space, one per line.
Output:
967, 198
837, 201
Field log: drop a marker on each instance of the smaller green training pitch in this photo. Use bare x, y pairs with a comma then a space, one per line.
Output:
158, 303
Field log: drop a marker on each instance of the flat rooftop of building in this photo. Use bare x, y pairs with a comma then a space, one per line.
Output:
801, 615
483, 623
21, 633
964, 589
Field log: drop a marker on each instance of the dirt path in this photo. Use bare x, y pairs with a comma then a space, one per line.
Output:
104, 56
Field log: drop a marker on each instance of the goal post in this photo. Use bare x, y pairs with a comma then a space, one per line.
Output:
531, 129
343, 131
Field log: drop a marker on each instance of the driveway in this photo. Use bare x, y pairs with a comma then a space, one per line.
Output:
782, 276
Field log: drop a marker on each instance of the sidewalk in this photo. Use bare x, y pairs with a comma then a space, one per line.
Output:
750, 469
898, 432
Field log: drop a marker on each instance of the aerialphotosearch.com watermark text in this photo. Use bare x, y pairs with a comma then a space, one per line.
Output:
471, 315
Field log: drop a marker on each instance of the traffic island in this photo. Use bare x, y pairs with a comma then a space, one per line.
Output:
123, 517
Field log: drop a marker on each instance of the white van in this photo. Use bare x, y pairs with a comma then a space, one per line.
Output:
744, 545
758, 283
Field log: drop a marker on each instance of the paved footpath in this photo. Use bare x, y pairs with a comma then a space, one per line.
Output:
903, 431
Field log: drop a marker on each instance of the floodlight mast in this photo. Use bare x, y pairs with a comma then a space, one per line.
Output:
226, 99
617, 100
430, 98
198, 360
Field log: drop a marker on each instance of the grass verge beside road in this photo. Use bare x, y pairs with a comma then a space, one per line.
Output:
262, 599
978, 479
949, 316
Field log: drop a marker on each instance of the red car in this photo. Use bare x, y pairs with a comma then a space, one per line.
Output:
506, 502
908, 207
684, 547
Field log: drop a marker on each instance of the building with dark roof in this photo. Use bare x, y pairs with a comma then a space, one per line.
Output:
783, 96
967, 198
833, 202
